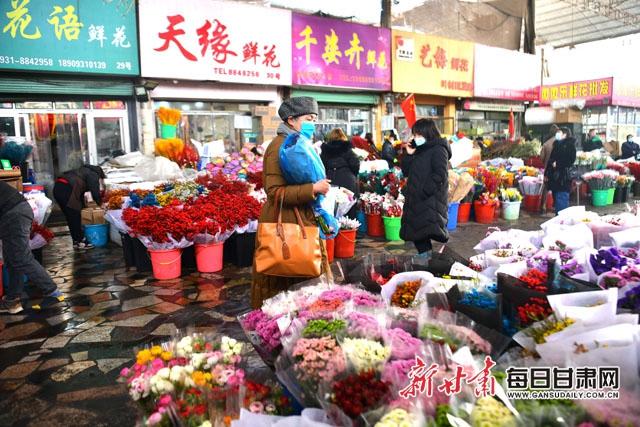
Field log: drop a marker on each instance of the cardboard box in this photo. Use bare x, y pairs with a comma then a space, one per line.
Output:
92, 216
568, 115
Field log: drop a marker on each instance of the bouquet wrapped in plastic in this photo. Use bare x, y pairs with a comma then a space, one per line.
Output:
301, 164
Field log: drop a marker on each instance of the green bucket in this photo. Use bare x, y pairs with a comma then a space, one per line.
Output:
510, 210
599, 197
611, 192
392, 228
168, 131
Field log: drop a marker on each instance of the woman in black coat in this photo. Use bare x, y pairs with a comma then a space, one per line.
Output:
426, 165
388, 152
341, 163
557, 174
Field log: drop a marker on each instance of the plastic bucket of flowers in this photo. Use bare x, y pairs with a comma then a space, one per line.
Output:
532, 202
484, 208
511, 200
345, 241
464, 212
330, 244
362, 219
97, 234
611, 193
392, 217
550, 203
599, 197
452, 222
392, 228
209, 256
166, 263
375, 226
372, 205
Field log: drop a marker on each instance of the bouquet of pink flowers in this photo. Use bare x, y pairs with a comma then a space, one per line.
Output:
601, 179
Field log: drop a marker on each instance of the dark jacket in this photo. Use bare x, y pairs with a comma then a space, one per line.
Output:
630, 149
388, 153
426, 210
342, 164
594, 143
86, 178
564, 155
9, 198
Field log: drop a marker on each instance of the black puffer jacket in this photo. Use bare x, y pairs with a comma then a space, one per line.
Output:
564, 156
426, 210
342, 166
388, 153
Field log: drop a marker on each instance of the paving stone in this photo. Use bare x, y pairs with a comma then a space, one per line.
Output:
66, 416
100, 297
58, 341
142, 302
97, 334
94, 321
90, 290
12, 344
30, 358
166, 307
21, 330
19, 371
108, 365
80, 356
53, 363
71, 370
116, 288
135, 322
61, 318
165, 329
129, 314
91, 394
166, 291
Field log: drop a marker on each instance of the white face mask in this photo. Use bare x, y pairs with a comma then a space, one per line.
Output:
419, 140
559, 136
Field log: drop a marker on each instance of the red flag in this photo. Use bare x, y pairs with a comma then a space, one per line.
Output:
409, 109
512, 126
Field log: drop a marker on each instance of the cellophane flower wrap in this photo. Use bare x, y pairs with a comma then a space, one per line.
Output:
601, 179
301, 164
40, 236
371, 203
347, 223
392, 207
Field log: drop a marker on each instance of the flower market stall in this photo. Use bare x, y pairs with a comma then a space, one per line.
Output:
356, 353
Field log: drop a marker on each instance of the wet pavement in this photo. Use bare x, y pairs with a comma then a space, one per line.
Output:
59, 365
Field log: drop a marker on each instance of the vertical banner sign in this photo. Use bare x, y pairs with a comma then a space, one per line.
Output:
432, 65
79, 36
594, 92
215, 40
330, 52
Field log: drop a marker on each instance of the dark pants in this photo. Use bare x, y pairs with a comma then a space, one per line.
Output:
560, 200
62, 194
423, 246
15, 230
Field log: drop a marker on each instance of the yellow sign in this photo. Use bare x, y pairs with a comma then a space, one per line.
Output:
432, 65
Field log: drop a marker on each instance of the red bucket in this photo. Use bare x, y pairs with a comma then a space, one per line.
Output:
484, 213
531, 203
549, 201
464, 212
346, 243
331, 248
375, 226
209, 257
496, 211
166, 263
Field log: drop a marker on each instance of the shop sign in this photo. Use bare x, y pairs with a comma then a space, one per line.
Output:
432, 65
593, 92
626, 94
493, 106
79, 36
215, 40
330, 52
505, 74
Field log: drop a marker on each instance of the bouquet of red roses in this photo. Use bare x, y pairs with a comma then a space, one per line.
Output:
40, 236
169, 227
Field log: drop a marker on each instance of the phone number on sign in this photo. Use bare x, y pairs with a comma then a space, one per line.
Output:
79, 63
24, 60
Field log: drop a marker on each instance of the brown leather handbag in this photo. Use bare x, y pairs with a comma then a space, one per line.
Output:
288, 250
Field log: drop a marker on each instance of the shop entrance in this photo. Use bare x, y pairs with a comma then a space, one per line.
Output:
66, 138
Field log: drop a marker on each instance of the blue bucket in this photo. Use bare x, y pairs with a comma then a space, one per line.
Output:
97, 235
363, 222
453, 216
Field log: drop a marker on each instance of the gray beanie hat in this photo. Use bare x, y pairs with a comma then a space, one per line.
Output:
298, 106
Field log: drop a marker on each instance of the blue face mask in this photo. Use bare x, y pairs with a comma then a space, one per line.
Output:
307, 129
419, 140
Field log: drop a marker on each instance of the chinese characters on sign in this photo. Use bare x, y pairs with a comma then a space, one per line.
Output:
80, 36
432, 65
328, 52
179, 40
594, 92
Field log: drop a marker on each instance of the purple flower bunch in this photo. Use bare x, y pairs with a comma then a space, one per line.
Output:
366, 299
397, 372
403, 345
572, 268
631, 253
631, 300
364, 326
252, 319
606, 260
540, 262
269, 333
335, 294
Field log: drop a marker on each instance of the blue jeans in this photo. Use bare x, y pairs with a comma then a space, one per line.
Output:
560, 200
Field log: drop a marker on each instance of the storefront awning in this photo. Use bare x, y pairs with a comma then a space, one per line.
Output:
62, 86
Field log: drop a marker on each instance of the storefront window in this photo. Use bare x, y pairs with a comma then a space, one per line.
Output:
37, 104
7, 126
108, 136
354, 121
71, 105
107, 105
231, 123
6, 105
